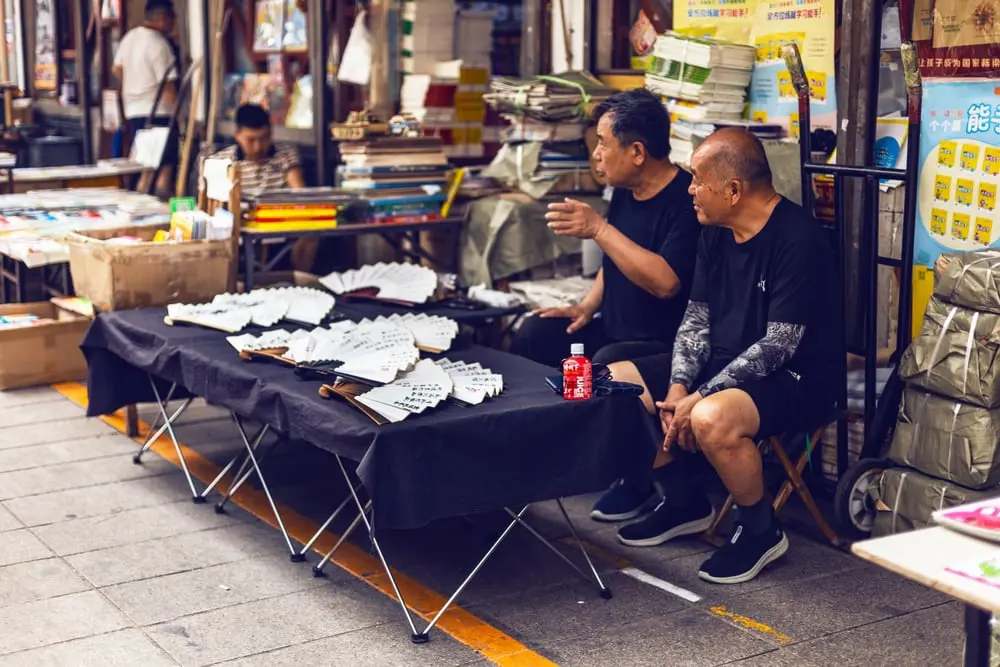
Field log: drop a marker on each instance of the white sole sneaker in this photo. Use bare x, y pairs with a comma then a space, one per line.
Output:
689, 528
771, 555
650, 503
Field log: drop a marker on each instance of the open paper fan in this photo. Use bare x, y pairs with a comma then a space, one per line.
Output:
263, 307
432, 332
413, 392
209, 316
405, 283
472, 383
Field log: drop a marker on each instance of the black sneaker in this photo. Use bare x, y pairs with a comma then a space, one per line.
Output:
623, 501
744, 555
667, 522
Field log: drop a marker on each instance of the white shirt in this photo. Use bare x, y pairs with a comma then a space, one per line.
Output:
145, 57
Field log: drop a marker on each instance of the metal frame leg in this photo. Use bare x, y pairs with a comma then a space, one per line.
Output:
977, 637
318, 568
151, 435
173, 436
263, 482
301, 556
244, 462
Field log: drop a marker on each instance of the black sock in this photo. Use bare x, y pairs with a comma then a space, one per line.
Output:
757, 518
674, 482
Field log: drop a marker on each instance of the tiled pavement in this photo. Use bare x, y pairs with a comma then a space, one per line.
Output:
103, 562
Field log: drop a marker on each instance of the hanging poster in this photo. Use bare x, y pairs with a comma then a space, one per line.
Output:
811, 25
728, 20
954, 38
959, 175
46, 58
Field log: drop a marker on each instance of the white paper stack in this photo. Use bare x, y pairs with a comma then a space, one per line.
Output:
410, 283
472, 383
424, 387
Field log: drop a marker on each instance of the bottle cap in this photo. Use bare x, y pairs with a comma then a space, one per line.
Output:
576, 349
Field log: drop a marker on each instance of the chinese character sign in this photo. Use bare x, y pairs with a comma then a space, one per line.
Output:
959, 174
811, 25
955, 38
727, 20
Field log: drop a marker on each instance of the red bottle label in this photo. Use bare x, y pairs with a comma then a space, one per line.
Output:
577, 379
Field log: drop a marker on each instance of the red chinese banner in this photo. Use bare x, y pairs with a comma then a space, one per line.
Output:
954, 38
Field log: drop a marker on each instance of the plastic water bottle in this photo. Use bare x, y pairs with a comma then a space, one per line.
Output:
577, 375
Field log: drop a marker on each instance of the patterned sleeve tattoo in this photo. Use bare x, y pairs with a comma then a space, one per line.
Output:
692, 346
760, 359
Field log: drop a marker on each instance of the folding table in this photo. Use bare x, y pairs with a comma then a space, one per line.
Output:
523, 447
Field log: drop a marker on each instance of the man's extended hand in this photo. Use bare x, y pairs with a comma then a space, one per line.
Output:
580, 314
574, 218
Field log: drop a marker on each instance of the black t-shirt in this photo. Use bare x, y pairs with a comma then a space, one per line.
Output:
665, 224
786, 273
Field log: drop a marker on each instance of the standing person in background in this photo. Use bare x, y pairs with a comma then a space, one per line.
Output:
145, 60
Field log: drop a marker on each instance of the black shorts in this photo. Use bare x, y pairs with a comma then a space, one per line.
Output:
785, 402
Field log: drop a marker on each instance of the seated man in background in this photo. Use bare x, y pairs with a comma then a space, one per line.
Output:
760, 352
648, 240
265, 166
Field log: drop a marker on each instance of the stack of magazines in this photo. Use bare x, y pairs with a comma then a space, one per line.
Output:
569, 96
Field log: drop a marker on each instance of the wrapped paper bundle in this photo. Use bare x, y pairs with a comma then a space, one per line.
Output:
906, 498
948, 439
955, 355
971, 280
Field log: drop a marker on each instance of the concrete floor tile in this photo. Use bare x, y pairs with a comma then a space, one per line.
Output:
386, 645
684, 639
98, 500
933, 636
27, 435
54, 453
79, 474
147, 523
826, 605
776, 658
124, 648
179, 553
21, 546
38, 580
8, 521
255, 627
165, 598
35, 624
47, 412
543, 617
20, 397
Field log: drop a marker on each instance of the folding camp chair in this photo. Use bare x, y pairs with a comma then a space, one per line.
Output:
793, 482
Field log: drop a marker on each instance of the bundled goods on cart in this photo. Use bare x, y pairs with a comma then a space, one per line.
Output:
704, 83
286, 210
402, 179
947, 437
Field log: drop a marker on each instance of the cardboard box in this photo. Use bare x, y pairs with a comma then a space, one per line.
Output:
119, 277
45, 353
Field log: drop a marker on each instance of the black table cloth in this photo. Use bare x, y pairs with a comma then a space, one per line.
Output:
524, 446
361, 308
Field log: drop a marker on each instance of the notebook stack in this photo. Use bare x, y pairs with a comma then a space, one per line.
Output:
402, 179
685, 135
711, 76
294, 210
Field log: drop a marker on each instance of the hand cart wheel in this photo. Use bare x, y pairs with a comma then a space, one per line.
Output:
853, 507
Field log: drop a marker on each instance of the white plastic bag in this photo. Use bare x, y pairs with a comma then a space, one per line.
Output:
356, 63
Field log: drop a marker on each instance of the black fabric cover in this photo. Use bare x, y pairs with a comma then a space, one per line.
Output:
526, 445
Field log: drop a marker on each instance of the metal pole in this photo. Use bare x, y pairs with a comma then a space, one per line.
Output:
83, 81
914, 92
319, 47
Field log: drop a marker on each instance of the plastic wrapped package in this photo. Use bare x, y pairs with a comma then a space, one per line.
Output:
905, 499
971, 280
948, 439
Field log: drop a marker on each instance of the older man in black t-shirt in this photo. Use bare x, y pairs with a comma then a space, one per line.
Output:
648, 240
760, 352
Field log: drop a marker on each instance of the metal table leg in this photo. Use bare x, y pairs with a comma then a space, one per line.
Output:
977, 637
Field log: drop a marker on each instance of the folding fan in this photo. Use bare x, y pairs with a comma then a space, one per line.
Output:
472, 383
403, 283
413, 392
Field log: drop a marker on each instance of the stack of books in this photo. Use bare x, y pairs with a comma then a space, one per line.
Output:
402, 179
686, 135
711, 76
428, 35
288, 210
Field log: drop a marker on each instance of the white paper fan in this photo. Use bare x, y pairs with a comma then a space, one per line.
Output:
472, 383
420, 389
394, 281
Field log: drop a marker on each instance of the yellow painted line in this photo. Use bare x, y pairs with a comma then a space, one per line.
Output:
494, 645
750, 624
